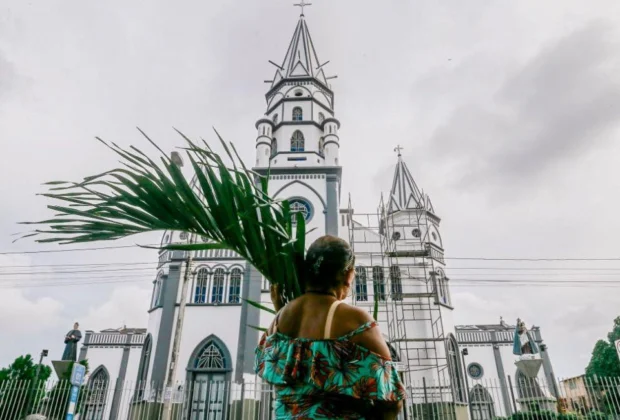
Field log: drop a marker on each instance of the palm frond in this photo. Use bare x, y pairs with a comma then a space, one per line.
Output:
223, 202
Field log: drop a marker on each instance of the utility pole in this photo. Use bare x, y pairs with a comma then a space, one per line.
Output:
172, 368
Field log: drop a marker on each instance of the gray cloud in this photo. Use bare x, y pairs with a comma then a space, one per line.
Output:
564, 102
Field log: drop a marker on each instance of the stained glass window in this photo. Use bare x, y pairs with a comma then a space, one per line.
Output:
234, 293
210, 358
361, 284
300, 206
217, 293
297, 142
200, 292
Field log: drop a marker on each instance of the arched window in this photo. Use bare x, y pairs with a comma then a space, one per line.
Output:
202, 282
157, 286
263, 130
455, 369
298, 114
143, 367
217, 293
321, 117
98, 386
378, 281
297, 142
275, 118
321, 146
211, 358
234, 292
481, 404
361, 284
442, 288
274, 147
396, 283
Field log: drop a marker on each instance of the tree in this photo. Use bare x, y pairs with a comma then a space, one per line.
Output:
605, 361
25, 369
604, 369
21, 386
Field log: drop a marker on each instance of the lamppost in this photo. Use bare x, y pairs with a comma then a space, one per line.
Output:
464, 353
35, 382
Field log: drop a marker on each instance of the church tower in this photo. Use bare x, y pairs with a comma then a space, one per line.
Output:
400, 264
297, 143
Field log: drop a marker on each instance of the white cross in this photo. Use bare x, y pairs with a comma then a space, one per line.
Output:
398, 148
302, 5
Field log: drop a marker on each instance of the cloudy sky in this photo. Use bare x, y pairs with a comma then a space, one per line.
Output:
507, 111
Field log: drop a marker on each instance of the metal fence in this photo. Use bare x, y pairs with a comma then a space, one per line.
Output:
488, 399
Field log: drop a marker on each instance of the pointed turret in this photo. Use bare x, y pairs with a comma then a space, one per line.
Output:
301, 60
405, 194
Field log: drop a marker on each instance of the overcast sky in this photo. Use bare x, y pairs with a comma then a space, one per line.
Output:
507, 111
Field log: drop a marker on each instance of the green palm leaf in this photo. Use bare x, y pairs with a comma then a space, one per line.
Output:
225, 203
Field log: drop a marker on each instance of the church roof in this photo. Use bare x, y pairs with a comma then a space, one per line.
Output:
301, 60
405, 194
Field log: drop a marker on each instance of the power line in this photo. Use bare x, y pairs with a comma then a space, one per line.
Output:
446, 258
49, 251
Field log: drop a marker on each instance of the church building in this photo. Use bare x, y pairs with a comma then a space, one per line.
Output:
200, 338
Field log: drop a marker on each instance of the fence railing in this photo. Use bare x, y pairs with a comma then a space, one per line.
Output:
213, 398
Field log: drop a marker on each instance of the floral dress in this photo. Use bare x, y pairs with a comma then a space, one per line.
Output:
329, 378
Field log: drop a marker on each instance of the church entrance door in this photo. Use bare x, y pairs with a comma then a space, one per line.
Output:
208, 397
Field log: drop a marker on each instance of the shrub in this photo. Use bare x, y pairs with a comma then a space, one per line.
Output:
596, 415
569, 416
536, 415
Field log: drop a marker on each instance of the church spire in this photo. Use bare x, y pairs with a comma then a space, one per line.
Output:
405, 194
301, 59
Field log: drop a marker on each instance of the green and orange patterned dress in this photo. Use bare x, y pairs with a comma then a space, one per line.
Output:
330, 378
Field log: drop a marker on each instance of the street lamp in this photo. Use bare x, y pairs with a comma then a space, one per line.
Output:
35, 382
464, 353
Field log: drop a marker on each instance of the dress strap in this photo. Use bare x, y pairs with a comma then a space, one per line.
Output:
360, 329
274, 325
330, 318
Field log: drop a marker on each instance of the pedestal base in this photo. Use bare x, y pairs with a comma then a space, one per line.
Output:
61, 367
529, 365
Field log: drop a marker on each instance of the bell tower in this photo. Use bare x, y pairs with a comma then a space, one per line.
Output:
297, 143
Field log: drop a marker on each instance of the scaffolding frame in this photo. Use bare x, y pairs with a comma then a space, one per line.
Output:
412, 312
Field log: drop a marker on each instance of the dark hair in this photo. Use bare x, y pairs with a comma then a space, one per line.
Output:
327, 260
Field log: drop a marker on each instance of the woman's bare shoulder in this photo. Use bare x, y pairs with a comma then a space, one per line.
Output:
349, 318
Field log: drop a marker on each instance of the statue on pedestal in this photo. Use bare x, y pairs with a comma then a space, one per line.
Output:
71, 340
524, 343
525, 348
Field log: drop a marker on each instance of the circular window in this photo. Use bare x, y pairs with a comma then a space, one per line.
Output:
183, 236
298, 205
396, 236
434, 235
298, 92
416, 233
475, 370
204, 239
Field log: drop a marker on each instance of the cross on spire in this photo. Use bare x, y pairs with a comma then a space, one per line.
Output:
397, 149
301, 5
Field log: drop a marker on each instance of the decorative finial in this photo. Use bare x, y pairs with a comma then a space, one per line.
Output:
301, 5
397, 149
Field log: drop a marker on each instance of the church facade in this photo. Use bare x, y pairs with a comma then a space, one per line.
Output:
200, 331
